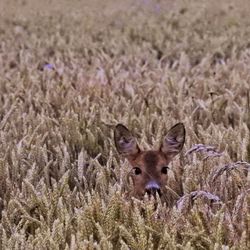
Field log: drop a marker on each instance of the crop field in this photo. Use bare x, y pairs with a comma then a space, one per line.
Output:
70, 71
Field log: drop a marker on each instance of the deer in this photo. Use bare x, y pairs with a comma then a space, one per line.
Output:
149, 168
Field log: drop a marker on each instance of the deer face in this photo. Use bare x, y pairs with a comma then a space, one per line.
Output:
149, 168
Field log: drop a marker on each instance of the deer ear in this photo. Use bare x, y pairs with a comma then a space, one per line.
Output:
125, 142
174, 140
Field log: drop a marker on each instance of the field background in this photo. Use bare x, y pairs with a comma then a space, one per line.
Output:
71, 70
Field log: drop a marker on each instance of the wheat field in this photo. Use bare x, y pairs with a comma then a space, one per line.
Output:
71, 70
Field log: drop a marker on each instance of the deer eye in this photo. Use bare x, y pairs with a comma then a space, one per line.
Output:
137, 171
164, 170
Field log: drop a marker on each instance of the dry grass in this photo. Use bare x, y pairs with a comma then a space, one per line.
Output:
71, 70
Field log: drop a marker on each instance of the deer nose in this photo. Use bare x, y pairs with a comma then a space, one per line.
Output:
153, 188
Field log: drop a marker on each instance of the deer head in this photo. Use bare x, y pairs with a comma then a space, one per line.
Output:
149, 168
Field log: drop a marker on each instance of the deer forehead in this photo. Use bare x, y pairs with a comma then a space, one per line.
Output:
149, 160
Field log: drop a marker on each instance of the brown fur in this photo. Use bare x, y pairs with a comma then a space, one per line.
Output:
150, 163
